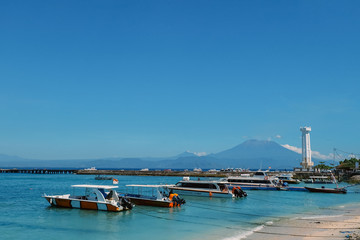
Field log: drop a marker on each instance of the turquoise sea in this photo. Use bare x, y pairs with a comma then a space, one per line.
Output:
24, 214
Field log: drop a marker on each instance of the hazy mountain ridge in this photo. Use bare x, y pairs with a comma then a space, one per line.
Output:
249, 154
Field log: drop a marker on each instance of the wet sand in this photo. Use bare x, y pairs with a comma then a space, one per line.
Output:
343, 223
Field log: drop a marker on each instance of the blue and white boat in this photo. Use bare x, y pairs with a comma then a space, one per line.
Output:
259, 181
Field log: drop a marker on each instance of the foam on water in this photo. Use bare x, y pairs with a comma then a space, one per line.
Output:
243, 235
319, 216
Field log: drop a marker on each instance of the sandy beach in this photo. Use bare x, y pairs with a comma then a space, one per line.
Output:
343, 223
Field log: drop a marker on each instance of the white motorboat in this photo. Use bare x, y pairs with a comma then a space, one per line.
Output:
205, 189
319, 180
258, 181
288, 178
96, 197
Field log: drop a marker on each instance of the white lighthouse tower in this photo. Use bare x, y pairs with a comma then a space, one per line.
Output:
306, 149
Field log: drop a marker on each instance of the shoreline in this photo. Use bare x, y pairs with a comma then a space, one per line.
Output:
342, 223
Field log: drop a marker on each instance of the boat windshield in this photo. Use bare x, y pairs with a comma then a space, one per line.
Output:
223, 187
319, 177
259, 174
152, 192
250, 180
196, 185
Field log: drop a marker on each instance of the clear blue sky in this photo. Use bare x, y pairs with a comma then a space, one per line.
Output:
89, 79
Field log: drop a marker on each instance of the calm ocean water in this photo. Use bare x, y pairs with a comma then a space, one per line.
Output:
24, 214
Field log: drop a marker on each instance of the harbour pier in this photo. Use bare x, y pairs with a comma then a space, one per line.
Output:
39, 171
167, 172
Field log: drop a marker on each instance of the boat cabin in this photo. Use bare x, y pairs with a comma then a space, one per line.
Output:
153, 195
259, 177
96, 192
202, 185
288, 178
202, 188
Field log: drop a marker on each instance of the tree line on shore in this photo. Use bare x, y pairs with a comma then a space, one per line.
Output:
347, 164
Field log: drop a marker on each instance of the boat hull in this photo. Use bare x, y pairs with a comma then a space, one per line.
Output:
82, 204
291, 181
267, 187
254, 186
149, 202
103, 178
201, 192
327, 190
257, 187
318, 182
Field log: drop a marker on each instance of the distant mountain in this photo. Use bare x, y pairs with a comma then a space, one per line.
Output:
254, 149
249, 154
257, 153
190, 162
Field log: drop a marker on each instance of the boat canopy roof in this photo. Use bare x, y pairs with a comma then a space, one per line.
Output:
150, 186
221, 181
94, 186
320, 177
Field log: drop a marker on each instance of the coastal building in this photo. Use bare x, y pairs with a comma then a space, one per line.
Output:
306, 149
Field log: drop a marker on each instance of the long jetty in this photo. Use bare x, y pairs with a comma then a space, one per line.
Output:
39, 171
154, 173
117, 172
215, 174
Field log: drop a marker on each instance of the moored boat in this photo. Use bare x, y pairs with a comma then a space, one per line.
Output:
99, 177
288, 178
258, 181
153, 195
319, 180
205, 189
327, 190
96, 197
90, 169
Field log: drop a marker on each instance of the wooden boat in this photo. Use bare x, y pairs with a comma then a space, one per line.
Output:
96, 197
153, 195
203, 188
327, 190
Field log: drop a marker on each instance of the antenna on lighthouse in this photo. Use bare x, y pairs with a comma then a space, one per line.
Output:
306, 149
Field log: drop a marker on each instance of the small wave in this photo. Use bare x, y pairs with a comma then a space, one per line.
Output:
243, 235
320, 216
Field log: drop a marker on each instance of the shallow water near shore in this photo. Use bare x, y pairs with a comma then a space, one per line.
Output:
26, 215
